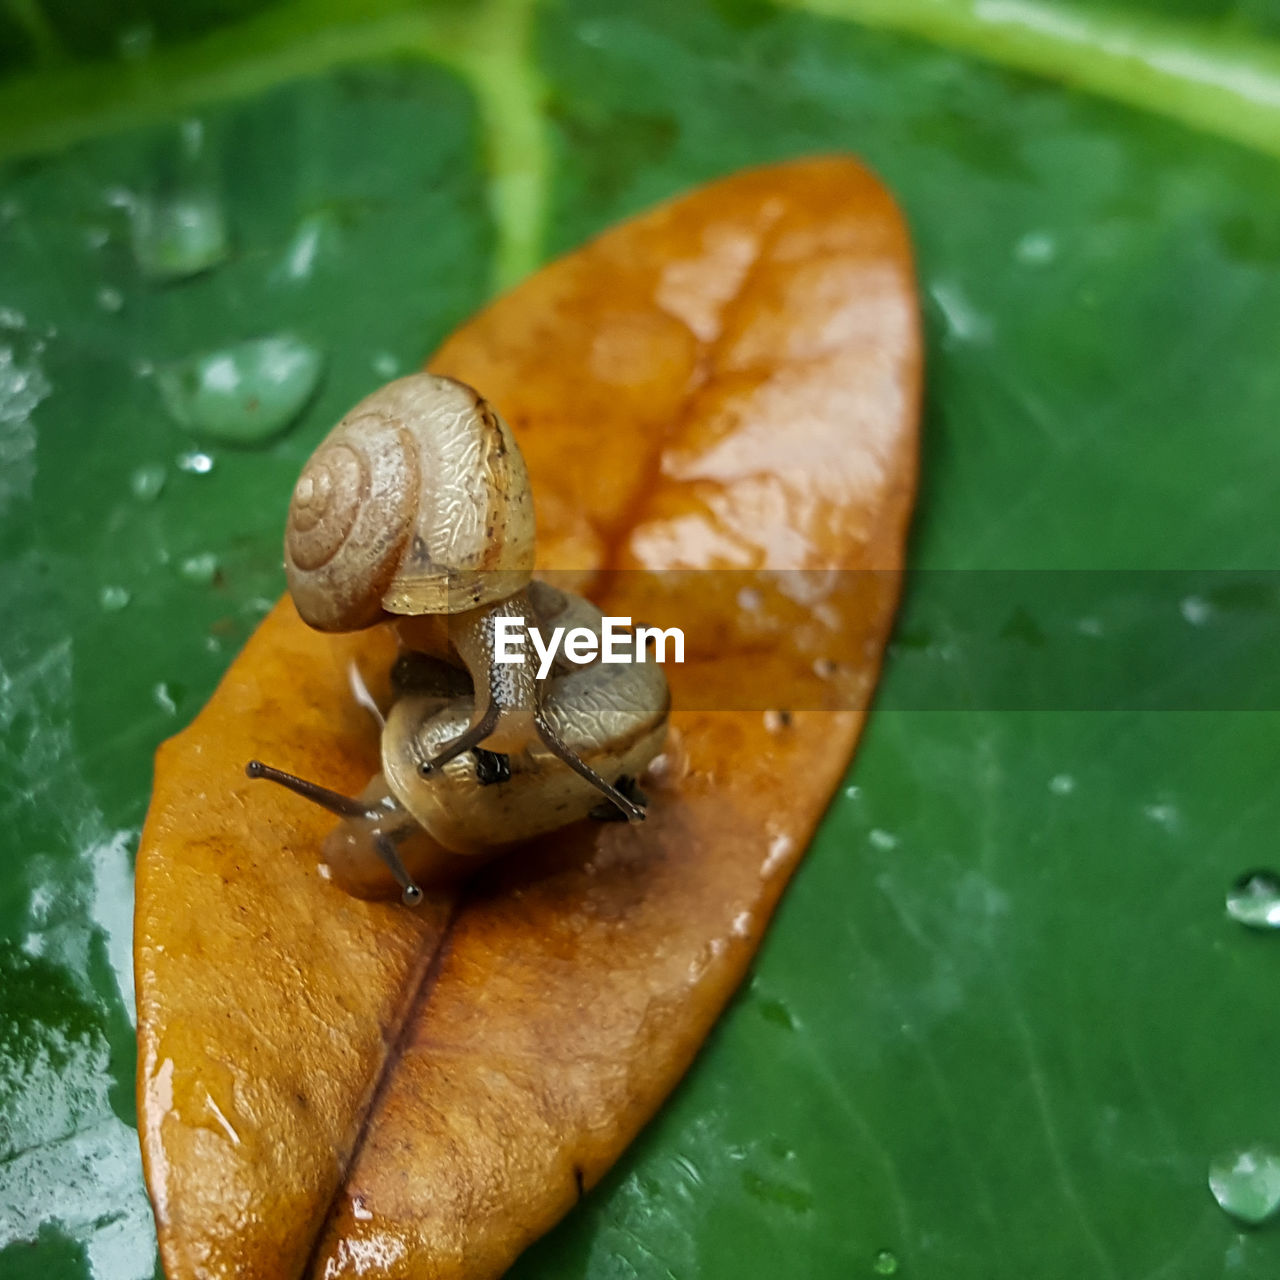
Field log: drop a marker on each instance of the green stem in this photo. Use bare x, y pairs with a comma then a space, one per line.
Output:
500, 63
1204, 78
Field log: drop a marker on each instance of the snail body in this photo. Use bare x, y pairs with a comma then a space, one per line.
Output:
415, 510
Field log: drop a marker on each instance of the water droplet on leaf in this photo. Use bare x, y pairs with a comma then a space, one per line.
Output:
776, 1012
196, 463
178, 228
111, 300
1035, 249
164, 699
1196, 610
1254, 900
147, 482
316, 234
245, 393
1163, 815
1246, 1184
113, 598
179, 234
1062, 784
385, 365
885, 1263
135, 42
200, 569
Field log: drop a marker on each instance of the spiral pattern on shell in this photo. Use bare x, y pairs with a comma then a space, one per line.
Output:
416, 502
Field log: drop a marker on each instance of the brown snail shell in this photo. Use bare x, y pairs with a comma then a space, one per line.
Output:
417, 502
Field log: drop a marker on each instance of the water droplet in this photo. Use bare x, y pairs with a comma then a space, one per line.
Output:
824, 668
245, 393
164, 699
135, 42
775, 721
196, 463
885, 840
1035, 249
1195, 610
781, 847
885, 1263
1254, 900
315, 233
109, 299
775, 1011
1246, 1184
200, 569
385, 365
853, 792
11, 318
963, 320
178, 228
360, 1211
749, 600
1062, 784
1163, 815
777, 1192
1091, 627
113, 598
23, 386
147, 482
179, 234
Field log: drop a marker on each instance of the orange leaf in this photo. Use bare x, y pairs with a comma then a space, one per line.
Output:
332, 1087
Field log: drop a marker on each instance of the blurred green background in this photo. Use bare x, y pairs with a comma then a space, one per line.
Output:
1001, 1026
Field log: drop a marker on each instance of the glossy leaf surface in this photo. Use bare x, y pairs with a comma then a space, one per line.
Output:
328, 1087
1000, 1025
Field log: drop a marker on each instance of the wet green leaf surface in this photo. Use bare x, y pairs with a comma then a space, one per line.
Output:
1001, 1025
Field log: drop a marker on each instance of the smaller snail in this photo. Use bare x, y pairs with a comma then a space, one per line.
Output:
415, 511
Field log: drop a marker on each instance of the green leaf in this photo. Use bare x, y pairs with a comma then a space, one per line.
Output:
1001, 1025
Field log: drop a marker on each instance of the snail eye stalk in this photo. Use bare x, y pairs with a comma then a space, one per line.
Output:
384, 843
333, 801
410, 894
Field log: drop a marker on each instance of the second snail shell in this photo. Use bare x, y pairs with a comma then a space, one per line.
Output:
416, 502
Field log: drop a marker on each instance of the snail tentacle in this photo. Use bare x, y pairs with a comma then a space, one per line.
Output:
334, 801
472, 736
552, 741
385, 845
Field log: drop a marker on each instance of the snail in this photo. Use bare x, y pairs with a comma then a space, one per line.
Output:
415, 511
